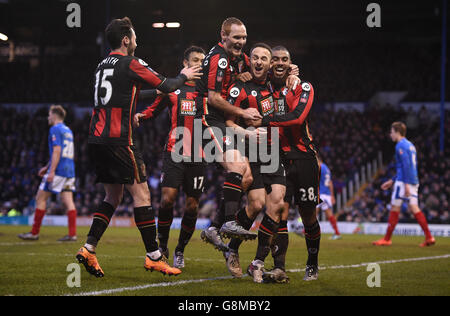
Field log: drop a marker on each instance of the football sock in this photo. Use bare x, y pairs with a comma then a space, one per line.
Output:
393, 220
100, 222
165, 218
145, 221
219, 217
333, 223
72, 221
38, 216
422, 220
246, 223
281, 244
232, 192
187, 229
312, 238
265, 233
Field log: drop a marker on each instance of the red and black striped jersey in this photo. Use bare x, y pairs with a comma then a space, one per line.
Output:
291, 112
219, 71
182, 111
252, 95
118, 80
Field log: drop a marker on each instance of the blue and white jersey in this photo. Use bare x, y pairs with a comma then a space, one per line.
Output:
61, 135
406, 162
325, 178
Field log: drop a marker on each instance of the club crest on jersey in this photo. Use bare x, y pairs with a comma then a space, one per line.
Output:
187, 107
267, 106
223, 63
143, 63
306, 86
227, 140
235, 92
177, 92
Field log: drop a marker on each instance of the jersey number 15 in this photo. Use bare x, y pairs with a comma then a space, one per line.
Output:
103, 83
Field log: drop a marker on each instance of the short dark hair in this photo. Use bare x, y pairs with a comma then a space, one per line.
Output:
58, 110
263, 45
192, 49
399, 127
282, 48
117, 30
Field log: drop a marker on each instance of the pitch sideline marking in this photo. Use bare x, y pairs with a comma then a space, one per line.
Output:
165, 284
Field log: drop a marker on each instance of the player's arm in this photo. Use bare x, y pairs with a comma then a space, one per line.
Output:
237, 97
304, 100
216, 100
56, 155
153, 110
43, 170
140, 71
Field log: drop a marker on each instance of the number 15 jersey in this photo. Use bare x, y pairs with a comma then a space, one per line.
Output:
118, 80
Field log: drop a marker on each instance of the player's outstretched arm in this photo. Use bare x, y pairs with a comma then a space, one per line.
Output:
216, 100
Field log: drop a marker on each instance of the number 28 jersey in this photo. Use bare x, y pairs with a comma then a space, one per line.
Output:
118, 80
61, 135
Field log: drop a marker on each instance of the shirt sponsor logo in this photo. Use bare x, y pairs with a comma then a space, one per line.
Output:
267, 106
187, 107
223, 63
235, 92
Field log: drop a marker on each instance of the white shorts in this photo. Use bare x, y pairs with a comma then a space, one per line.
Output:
398, 194
326, 202
58, 184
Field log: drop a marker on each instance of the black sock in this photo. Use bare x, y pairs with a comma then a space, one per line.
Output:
100, 222
281, 243
219, 218
312, 238
187, 230
165, 218
232, 192
145, 221
245, 222
265, 233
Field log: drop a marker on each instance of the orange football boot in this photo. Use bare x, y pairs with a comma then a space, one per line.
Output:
89, 260
428, 242
382, 242
161, 266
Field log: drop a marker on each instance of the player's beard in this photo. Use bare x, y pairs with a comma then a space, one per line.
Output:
130, 50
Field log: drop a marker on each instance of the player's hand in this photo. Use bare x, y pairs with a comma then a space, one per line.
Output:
251, 114
192, 73
244, 77
137, 118
51, 176
333, 200
386, 185
42, 171
292, 82
159, 92
254, 123
294, 70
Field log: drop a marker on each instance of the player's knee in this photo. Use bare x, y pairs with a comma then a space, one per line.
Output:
168, 202
256, 206
191, 206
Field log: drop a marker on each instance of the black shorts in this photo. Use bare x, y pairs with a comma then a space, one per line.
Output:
302, 179
189, 175
266, 180
215, 138
117, 164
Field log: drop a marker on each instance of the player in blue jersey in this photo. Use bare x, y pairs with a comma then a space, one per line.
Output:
58, 176
406, 186
327, 196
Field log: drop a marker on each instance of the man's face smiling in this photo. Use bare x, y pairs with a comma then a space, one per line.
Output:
281, 62
260, 63
235, 41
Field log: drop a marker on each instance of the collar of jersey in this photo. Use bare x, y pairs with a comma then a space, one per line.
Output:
116, 53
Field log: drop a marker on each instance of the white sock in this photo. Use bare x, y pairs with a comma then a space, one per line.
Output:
155, 255
89, 247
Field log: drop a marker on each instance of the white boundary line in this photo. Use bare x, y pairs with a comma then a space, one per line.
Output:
166, 284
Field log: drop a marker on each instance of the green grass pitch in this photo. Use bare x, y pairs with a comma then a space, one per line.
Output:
40, 268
